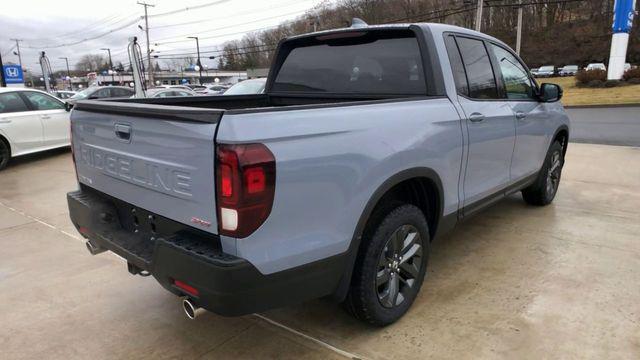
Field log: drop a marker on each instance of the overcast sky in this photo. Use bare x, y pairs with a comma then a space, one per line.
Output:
61, 27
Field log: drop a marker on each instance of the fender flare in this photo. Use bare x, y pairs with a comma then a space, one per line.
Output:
555, 134
354, 247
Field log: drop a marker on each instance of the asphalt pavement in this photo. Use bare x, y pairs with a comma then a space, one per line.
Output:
606, 125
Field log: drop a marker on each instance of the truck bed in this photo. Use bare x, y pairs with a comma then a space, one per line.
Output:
239, 102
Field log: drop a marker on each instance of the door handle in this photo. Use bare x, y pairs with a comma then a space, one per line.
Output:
123, 132
520, 115
45, 117
5, 121
476, 117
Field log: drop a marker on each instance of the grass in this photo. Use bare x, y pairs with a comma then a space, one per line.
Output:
627, 94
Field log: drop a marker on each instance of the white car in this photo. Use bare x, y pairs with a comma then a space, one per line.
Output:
30, 121
596, 66
248, 87
213, 90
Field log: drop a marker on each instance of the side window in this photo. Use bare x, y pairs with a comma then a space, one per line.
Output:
482, 82
11, 102
459, 75
117, 92
43, 101
100, 94
516, 79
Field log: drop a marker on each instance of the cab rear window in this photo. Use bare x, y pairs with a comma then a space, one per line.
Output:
386, 63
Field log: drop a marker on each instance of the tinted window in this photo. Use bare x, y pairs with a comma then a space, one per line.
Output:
43, 101
482, 83
514, 76
364, 64
102, 93
456, 66
11, 102
118, 92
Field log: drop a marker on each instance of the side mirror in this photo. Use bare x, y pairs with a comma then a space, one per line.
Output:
93, 97
68, 106
550, 92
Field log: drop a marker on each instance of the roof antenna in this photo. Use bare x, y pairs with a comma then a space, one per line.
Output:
358, 23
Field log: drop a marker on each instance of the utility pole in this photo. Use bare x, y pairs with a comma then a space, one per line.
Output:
66, 59
3, 83
199, 63
110, 64
519, 29
146, 30
18, 49
479, 15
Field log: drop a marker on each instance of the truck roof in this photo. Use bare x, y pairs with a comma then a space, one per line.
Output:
434, 28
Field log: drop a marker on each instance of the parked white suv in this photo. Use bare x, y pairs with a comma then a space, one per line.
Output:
30, 121
596, 66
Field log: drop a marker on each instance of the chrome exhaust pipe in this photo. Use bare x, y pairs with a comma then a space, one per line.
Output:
191, 310
94, 249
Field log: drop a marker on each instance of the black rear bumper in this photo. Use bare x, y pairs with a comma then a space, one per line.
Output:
226, 284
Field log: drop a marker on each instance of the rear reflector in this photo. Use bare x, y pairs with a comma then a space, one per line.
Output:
190, 290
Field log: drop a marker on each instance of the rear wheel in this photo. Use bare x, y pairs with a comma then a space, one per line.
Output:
544, 190
390, 267
5, 154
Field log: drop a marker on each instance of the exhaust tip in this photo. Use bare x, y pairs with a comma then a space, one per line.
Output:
190, 309
93, 248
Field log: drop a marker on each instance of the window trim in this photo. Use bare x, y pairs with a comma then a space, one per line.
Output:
492, 58
528, 72
491, 61
464, 70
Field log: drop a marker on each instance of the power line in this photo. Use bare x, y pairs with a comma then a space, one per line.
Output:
188, 8
296, 2
8, 51
86, 39
225, 27
96, 27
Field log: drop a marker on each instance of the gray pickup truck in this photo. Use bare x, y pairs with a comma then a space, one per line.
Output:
368, 143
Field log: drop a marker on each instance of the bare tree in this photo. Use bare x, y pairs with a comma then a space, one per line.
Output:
92, 62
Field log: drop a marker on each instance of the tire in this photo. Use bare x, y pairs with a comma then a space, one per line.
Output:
5, 154
390, 267
544, 189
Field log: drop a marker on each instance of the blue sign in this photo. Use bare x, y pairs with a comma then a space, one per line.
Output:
13, 74
623, 11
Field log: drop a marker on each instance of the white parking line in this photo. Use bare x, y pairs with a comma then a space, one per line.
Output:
310, 338
272, 322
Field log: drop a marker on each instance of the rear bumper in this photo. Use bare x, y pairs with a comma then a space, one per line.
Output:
226, 284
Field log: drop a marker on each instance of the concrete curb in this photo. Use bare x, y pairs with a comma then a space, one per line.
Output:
599, 106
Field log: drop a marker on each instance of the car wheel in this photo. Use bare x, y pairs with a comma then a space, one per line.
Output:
5, 154
391, 266
543, 191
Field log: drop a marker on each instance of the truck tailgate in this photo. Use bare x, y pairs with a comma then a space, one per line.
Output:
159, 158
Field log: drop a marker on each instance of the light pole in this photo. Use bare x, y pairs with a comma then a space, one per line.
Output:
198, 50
66, 59
110, 64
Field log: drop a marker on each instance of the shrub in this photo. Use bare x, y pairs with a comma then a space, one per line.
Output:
595, 83
634, 81
612, 83
631, 74
584, 77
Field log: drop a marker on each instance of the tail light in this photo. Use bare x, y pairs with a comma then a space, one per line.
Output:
246, 180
